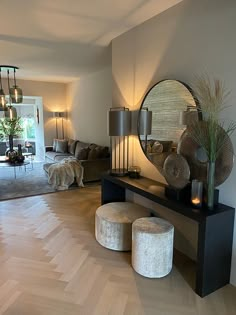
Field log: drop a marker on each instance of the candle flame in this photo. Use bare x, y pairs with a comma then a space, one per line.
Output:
196, 201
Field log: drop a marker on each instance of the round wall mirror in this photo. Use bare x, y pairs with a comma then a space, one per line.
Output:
165, 111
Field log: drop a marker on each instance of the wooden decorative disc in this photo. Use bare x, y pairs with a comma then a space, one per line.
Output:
176, 171
198, 165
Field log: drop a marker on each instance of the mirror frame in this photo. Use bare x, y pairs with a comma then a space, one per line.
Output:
143, 106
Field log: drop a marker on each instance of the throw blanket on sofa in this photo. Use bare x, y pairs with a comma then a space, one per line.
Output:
61, 175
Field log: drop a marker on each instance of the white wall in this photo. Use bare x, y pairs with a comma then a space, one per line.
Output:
54, 99
191, 38
88, 101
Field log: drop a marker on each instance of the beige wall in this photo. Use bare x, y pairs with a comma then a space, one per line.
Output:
191, 38
54, 99
88, 101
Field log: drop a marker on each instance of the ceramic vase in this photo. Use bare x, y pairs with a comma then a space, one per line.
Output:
11, 153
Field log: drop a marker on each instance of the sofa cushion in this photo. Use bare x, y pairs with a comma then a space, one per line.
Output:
71, 146
55, 156
157, 147
61, 146
60, 156
82, 154
98, 152
81, 150
167, 145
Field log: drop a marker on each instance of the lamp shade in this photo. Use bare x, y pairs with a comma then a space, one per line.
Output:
16, 94
145, 122
188, 117
119, 122
3, 102
58, 114
10, 112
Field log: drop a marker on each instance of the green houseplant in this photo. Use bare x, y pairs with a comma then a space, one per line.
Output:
10, 128
211, 133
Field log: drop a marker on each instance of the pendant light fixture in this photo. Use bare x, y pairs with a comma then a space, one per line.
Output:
3, 102
15, 93
10, 111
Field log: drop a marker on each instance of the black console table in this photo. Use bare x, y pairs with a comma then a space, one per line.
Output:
215, 228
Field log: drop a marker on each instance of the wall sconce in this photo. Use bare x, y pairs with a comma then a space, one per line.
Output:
59, 115
119, 131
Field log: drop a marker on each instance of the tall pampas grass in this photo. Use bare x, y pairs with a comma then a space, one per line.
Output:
211, 133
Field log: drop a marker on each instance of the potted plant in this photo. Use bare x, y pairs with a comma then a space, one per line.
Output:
211, 132
10, 128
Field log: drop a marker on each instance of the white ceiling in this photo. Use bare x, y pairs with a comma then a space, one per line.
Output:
61, 40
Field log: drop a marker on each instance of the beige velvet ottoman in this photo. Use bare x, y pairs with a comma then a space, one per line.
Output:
113, 224
152, 247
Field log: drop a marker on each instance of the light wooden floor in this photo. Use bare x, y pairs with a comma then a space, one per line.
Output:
51, 264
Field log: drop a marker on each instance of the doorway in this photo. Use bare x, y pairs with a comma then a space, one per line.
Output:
31, 112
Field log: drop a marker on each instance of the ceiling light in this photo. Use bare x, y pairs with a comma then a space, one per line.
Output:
15, 93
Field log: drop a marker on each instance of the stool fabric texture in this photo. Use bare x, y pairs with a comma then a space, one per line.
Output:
113, 224
152, 247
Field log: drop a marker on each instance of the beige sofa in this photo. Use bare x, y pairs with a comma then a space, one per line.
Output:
94, 158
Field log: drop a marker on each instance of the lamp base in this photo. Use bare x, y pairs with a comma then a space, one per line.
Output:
119, 172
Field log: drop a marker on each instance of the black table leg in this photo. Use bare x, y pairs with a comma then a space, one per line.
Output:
215, 238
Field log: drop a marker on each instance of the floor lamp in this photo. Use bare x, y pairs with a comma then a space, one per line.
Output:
119, 131
60, 115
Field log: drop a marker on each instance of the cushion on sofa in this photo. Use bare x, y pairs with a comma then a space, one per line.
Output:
81, 150
71, 146
62, 146
98, 152
56, 156
60, 156
157, 147
167, 145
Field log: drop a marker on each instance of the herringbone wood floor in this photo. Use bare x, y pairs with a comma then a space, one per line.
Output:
51, 264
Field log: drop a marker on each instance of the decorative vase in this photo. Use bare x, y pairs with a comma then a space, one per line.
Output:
11, 153
19, 150
10, 137
20, 157
210, 184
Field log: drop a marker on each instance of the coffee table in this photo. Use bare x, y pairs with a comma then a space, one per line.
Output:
4, 163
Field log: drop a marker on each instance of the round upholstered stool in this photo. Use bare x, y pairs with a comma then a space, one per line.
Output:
113, 224
152, 247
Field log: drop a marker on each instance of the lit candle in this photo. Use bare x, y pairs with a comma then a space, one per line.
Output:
196, 193
196, 201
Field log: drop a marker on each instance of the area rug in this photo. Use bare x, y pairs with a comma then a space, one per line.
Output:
29, 182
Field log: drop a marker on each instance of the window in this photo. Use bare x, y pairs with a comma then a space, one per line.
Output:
29, 128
